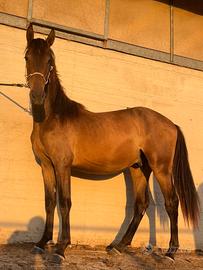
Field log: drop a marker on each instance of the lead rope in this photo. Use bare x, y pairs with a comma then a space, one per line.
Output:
25, 85
17, 104
15, 84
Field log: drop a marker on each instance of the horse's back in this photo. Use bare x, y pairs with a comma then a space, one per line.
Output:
112, 141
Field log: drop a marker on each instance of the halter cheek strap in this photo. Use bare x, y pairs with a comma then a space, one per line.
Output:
46, 80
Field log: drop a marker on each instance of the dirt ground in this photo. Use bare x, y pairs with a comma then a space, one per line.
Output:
16, 257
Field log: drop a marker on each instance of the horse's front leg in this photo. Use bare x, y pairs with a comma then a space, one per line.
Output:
50, 204
64, 197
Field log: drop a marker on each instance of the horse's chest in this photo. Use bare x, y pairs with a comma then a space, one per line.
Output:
37, 146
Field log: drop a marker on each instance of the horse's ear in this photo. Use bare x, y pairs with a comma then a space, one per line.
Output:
51, 37
29, 34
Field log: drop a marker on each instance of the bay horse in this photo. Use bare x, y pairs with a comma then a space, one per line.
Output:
67, 137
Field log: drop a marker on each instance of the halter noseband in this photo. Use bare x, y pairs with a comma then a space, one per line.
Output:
46, 80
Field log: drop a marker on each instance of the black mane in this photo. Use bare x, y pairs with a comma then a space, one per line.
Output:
63, 106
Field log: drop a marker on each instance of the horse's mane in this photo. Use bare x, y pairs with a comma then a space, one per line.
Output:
62, 105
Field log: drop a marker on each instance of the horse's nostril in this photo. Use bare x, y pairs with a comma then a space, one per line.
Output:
33, 96
37, 97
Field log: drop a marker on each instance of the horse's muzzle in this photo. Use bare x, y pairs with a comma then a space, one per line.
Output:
37, 97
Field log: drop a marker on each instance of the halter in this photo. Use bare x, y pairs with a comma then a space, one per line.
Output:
46, 80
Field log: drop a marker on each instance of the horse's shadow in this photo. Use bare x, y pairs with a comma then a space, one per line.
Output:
156, 205
35, 228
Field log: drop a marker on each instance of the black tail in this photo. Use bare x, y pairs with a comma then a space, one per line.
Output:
184, 183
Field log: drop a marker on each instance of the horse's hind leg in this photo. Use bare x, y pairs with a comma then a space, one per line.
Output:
140, 177
171, 204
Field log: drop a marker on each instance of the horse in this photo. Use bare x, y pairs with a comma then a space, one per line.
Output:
67, 137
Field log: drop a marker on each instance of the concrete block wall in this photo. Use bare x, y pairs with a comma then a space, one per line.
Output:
102, 80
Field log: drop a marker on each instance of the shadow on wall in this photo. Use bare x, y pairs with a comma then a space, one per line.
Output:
160, 205
36, 225
156, 205
33, 233
198, 233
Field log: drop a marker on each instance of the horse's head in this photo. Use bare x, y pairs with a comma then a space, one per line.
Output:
39, 63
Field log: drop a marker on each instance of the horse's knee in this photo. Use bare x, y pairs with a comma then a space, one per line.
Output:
65, 205
50, 203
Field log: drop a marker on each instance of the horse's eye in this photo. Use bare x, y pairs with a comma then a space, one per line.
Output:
26, 58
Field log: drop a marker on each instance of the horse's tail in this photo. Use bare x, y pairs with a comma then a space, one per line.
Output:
184, 183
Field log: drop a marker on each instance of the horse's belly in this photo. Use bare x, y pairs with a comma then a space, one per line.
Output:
106, 162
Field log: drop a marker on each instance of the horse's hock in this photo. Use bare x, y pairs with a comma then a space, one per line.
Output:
102, 80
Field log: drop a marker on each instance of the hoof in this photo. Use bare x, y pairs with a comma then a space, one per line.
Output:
58, 259
50, 243
37, 250
109, 248
148, 250
170, 257
113, 251
171, 253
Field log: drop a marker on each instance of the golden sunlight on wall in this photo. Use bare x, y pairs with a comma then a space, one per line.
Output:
102, 80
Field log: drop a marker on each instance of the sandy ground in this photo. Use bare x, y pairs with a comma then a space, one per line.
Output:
88, 258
